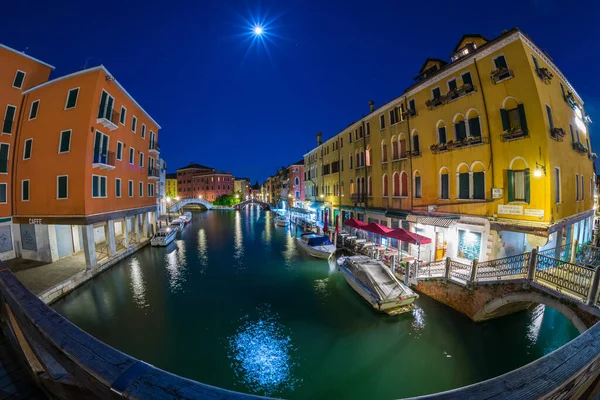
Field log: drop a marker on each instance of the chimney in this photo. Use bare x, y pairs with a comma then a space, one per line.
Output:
319, 138
371, 105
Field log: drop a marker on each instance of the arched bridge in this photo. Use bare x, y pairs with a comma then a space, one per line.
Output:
491, 289
184, 202
265, 206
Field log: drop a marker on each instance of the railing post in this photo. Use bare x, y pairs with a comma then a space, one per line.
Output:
447, 273
574, 251
533, 258
474, 272
593, 294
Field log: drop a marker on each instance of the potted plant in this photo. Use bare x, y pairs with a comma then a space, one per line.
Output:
450, 144
433, 147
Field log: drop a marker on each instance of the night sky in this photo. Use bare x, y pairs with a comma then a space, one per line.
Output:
249, 108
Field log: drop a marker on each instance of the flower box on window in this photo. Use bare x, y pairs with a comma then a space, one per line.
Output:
500, 74
464, 89
408, 113
580, 148
450, 145
545, 75
438, 147
557, 134
414, 153
570, 99
433, 103
513, 133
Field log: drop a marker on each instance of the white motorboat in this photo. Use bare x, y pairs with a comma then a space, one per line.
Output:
316, 245
376, 283
186, 217
163, 237
281, 221
177, 224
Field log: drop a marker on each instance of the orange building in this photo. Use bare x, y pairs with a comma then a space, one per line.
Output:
18, 72
86, 171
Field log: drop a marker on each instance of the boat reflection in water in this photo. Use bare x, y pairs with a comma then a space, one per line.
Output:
262, 354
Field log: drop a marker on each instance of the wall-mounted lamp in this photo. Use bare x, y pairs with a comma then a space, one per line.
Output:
540, 170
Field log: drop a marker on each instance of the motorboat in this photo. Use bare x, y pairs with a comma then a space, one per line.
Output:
163, 237
177, 224
316, 245
281, 221
376, 283
186, 217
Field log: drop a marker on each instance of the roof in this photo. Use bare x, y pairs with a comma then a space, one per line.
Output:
94, 69
468, 35
195, 166
301, 162
442, 63
171, 176
25, 55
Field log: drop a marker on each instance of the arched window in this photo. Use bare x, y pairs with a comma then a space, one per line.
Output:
478, 174
396, 180
369, 186
404, 184
460, 128
514, 122
416, 147
474, 123
351, 187
368, 155
444, 192
394, 148
385, 185
441, 132
296, 181
362, 157
383, 151
463, 182
417, 185
351, 158
518, 180
358, 164
402, 145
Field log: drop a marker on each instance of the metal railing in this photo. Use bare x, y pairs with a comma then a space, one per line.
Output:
587, 255
460, 271
432, 269
102, 251
153, 145
503, 267
358, 197
108, 114
562, 275
561, 252
106, 158
153, 172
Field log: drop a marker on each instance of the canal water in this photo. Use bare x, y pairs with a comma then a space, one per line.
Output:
234, 303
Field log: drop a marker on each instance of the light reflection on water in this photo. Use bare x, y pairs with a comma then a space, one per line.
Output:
176, 264
262, 354
202, 250
138, 287
291, 252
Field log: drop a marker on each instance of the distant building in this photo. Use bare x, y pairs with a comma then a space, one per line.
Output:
197, 180
242, 185
296, 182
161, 198
171, 186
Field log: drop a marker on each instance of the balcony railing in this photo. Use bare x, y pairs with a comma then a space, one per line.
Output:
414, 153
457, 144
153, 172
108, 118
557, 134
435, 102
570, 99
104, 160
500, 74
513, 134
580, 148
358, 198
154, 147
545, 75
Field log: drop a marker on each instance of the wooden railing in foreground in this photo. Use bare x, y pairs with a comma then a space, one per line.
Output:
70, 364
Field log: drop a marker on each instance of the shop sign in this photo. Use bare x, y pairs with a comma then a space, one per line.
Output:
510, 209
497, 193
532, 212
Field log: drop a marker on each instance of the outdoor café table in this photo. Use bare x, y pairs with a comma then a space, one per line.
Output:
351, 237
369, 244
361, 240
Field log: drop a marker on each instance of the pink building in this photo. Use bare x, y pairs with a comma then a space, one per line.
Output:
296, 180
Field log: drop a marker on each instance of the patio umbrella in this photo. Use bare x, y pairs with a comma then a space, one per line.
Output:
325, 226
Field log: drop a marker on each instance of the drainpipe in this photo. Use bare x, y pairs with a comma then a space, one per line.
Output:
487, 120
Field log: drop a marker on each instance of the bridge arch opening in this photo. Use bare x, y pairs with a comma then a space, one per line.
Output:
511, 302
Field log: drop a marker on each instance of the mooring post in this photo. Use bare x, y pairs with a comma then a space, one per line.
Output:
447, 273
533, 259
593, 294
473, 272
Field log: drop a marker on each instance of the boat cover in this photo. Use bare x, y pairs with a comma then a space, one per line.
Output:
377, 277
317, 240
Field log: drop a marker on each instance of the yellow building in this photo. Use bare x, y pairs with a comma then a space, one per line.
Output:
488, 154
171, 186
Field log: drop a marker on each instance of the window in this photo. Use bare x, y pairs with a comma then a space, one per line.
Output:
550, 120
474, 127
33, 111
396, 184
296, 181
479, 185
106, 106
500, 62
572, 134
444, 186
297, 194
460, 130
72, 98
518, 185
133, 123
442, 135
3, 198
502, 69
27, 149
463, 186
119, 151
452, 89
381, 121
436, 93
141, 188
143, 131
417, 186
151, 190
514, 120
383, 151
576, 187
141, 159
581, 188
535, 63
118, 187
19, 78
412, 106
131, 155
62, 187
466, 78
367, 129
130, 187
9, 117
416, 150
394, 116
123, 116
25, 190
557, 191
385, 185
64, 145
98, 186
4, 148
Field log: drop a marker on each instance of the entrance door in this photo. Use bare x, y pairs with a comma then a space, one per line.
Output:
64, 240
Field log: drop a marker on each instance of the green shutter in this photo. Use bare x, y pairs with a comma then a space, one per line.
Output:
442, 134
62, 187
19, 77
527, 185
478, 185
535, 63
550, 119
102, 186
118, 188
572, 134
102, 105
505, 120
452, 84
474, 127
25, 190
3, 193
27, 154
466, 77
3, 157
34, 109
445, 194
8, 119
510, 185
104, 147
522, 118
95, 186
65, 141
463, 182
461, 131
72, 98
500, 62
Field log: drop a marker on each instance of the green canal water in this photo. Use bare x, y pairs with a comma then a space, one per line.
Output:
234, 303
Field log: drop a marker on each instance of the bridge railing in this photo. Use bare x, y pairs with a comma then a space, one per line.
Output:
560, 252
460, 270
508, 267
432, 269
562, 276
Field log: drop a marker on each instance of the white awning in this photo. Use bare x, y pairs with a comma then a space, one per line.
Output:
433, 221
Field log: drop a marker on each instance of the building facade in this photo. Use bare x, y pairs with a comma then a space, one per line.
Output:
85, 169
488, 154
171, 186
207, 183
296, 182
242, 185
161, 199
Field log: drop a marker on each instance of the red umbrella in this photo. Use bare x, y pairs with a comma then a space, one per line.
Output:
354, 223
337, 230
325, 227
378, 229
405, 236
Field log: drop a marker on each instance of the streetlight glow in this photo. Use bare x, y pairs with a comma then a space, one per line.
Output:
258, 30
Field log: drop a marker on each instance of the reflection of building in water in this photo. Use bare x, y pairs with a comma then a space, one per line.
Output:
202, 248
138, 287
268, 227
290, 250
176, 267
238, 237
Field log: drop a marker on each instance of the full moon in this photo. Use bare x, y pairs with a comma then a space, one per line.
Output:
258, 30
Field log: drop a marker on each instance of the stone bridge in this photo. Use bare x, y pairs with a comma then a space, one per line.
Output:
243, 204
499, 287
184, 202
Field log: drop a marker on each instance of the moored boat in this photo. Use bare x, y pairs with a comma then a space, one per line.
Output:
376, 283
316, 245
163, 237
186, 217
281, 221
177, 224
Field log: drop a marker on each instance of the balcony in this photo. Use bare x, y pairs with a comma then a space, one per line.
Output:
545, 75
557, 134
358, 198
153, 173
153, 147
457, 144
108, 118
580, 148
414, 153
409, 113
570, 99
103, 160
513, 134
435, 102
501, 74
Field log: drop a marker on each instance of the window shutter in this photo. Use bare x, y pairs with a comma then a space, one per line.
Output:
416, 144
445, 186
452, 84
527, 186
550, 119
511, 185
500, 62
102, 105
474, 127
505, 120
461, 132
442, 134
572, 134
522, 118
478, 185
535, 63
463, 181
467, 79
